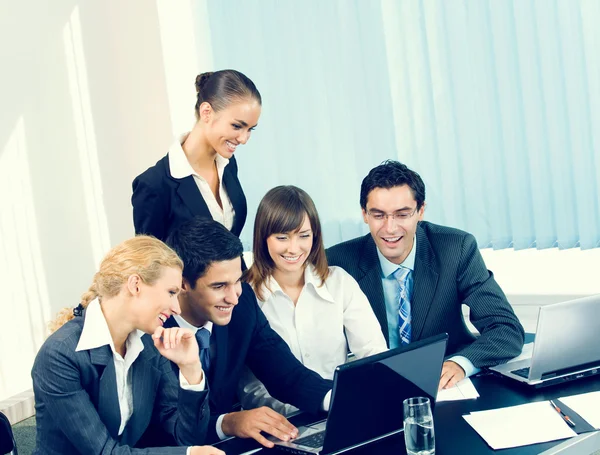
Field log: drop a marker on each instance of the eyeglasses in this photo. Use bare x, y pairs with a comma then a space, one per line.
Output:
398, 216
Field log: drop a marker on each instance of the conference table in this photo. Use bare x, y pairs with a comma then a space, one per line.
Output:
454, 435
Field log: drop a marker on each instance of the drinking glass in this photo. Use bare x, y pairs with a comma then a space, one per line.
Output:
419, 436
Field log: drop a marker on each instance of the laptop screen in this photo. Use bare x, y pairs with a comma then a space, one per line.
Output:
368, 393
566, 334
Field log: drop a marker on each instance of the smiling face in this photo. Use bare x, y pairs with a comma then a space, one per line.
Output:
215, 294
290, 250
393, 237
157, 302
231, 126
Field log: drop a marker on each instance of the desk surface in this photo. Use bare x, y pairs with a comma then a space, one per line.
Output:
454, 435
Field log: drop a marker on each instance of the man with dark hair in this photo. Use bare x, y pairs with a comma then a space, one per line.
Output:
417, 275
233, 332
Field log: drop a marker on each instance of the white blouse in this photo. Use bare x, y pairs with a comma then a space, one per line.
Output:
180, 168
316, 329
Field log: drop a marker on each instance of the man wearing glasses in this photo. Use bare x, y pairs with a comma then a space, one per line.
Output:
417, 275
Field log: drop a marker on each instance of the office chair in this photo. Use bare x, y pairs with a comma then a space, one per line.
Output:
7, 440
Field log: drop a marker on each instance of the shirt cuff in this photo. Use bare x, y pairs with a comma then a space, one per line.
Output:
327, 401
185, 385
219, 428
465, 364
188, 451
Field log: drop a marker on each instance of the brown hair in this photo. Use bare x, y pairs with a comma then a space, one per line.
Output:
142, 255
224, 87
282, 210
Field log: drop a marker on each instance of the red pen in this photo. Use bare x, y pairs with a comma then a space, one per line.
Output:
565, 417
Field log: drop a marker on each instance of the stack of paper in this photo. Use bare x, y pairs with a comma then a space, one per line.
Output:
519, 425
463, 390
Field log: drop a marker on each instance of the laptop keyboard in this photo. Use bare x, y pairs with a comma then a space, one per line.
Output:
314, 440
523, 372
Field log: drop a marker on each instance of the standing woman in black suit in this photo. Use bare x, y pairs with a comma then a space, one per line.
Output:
198, 177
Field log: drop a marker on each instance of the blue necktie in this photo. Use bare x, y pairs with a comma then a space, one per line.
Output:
203, 338
405, 282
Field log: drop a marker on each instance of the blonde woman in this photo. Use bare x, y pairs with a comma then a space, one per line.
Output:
104, 375
319, 311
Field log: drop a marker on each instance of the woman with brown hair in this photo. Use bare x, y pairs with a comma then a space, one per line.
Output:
198, 177
105, 374
318, 310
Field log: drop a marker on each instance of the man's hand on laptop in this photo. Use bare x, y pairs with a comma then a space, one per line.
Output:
452, 373
249, 424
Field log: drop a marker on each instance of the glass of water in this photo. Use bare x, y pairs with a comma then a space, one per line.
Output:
418, 426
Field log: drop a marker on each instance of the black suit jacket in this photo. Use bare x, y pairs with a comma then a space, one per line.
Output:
161, 202
249, 340
449, 272
77, 407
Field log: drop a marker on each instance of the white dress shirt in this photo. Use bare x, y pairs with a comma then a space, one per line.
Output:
318, 329
95, 334
180, 168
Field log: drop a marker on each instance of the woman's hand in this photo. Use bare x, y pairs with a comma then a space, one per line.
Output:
180, 347
206, 450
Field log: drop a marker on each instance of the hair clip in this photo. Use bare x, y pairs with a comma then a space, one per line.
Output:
78, 310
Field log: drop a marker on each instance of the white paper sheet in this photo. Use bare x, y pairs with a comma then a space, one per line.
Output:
587, 405
521, 425
463, 390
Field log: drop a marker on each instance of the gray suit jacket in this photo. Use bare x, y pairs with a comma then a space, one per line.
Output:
76, 401
449, 272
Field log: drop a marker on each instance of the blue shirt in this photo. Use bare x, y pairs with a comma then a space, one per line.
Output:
390, 296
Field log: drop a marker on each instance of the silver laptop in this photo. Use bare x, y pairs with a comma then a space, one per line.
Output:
566, 345
366, 403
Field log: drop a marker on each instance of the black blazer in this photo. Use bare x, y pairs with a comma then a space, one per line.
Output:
161, 202
249, 340
77, 407
449, 272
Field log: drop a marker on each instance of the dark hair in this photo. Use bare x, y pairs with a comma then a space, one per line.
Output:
222, 88
389, 174
282, 210
201, 241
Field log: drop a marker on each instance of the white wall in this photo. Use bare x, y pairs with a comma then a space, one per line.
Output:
84, 110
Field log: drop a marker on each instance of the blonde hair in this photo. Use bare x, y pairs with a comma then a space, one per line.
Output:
142, 255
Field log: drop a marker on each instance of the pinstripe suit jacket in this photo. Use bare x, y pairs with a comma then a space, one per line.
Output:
449, 272
76, 401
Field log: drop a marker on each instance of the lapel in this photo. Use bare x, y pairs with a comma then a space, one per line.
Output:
370, 282
219, 359
190, 195
108, 401
188, 191
233, 188
425, 282
144, 382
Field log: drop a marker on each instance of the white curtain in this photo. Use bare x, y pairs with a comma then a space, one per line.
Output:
495, 103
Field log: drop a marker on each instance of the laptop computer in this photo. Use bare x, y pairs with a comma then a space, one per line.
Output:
566, 345
366, 403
